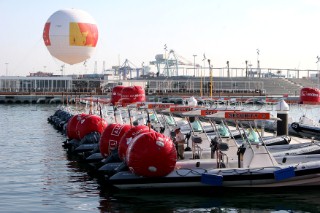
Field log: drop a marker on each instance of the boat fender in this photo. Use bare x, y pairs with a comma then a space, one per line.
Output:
284, 160
284, 173
211, 179
295, 126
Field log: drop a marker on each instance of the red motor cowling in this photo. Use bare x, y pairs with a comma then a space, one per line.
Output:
116, 94
309, 95
134, 94
72, 126
111, 136
128, 137
90, 123
151, 154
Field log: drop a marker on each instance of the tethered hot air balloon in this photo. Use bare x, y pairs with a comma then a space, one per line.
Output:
70, 35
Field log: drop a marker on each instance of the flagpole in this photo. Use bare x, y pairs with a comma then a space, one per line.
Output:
210, 79
201, 84
204, 58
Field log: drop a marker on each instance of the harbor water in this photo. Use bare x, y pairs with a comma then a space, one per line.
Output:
37, 175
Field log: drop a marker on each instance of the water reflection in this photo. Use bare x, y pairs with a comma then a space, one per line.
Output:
38, 175
302, 200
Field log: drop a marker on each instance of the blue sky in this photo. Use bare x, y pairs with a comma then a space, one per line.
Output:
285, 31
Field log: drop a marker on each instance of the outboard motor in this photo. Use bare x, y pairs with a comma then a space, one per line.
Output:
91, 138
122, 167
113, 157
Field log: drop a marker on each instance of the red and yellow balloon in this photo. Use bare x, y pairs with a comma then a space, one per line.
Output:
71, 35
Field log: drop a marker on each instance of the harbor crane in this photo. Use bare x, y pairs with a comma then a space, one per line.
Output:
168, 65
128, 68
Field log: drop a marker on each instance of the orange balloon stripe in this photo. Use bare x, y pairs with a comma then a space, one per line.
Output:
46, 37
83, 34
92, 33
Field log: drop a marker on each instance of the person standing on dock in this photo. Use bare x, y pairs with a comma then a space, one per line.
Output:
179, 140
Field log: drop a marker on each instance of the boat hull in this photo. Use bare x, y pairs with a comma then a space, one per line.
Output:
305, 174
305, 130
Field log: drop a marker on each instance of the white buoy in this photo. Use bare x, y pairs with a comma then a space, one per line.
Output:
192, 101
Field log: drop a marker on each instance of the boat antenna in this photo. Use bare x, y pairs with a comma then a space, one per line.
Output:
129, 114
91, 106
100, 110
114, 113
148, 121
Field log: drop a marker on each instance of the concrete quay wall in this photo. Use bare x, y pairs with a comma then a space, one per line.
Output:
37, 99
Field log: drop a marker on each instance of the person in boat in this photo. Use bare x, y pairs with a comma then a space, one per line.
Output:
179, 141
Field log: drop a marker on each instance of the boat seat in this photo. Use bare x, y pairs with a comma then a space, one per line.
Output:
196, 139
196, 149
197, 152
224, 146
258, 156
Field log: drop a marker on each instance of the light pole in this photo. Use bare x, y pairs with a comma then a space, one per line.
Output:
201, 83
61, 69
228, 69
7, 64
142, 66
246, 69
258, 63
318, 59
194, 65
165, 58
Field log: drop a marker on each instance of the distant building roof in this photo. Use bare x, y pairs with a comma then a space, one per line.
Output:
41, 74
